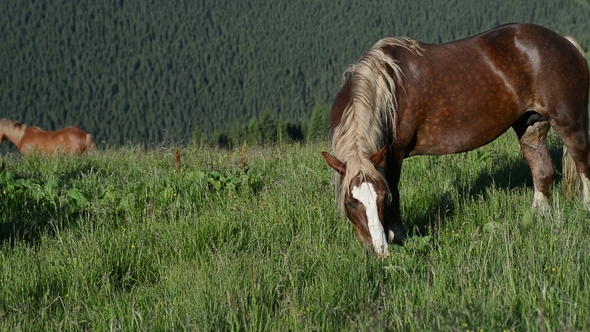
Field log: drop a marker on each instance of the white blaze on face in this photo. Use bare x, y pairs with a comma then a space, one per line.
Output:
366, 194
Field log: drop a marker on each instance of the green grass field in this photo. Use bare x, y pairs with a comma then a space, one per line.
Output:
120, 240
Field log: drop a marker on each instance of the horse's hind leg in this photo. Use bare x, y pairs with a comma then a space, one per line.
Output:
578, 147
533, 143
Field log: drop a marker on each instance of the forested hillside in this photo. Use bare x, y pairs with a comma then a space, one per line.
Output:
148, 71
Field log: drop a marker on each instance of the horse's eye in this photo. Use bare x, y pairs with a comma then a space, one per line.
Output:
351, 204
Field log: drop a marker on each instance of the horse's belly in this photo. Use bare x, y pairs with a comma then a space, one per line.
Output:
439, 141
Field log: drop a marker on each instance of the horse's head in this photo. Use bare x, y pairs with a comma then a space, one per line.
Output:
365, 202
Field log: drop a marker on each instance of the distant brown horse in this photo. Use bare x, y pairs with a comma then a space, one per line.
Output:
406, 98
28, 139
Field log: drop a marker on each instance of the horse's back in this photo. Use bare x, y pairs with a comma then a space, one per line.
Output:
528, 52
510, 51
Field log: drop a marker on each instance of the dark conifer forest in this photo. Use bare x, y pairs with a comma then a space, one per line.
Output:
147, 72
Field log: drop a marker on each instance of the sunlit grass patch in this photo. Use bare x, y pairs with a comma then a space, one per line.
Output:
251, 239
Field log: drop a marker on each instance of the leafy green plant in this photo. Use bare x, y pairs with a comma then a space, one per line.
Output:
232, 181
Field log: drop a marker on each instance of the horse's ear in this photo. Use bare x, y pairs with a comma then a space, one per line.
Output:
378, 159
336, 164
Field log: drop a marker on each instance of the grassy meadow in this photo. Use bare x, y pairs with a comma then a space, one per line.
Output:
250, 240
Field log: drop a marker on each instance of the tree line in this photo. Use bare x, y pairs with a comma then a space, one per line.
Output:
267, 131
147, 71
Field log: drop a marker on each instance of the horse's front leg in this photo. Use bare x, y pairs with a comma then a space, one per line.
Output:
396, 233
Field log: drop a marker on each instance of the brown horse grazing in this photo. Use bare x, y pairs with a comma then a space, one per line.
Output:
28, 139
406, 98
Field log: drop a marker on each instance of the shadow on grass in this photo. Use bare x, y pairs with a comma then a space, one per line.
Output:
31, 204
508, 176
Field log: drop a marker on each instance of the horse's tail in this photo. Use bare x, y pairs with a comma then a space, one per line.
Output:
571, 177
90, 143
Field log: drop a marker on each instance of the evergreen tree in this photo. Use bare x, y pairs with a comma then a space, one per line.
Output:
238, 134
198, 137
319, 124
253, 135
268, 128
281, 130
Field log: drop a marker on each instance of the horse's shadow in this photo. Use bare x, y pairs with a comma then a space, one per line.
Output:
26, 219
442, 208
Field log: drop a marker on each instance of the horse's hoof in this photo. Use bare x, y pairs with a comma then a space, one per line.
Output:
397, 236
384, 255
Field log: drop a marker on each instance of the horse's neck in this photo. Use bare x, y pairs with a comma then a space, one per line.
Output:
13, 131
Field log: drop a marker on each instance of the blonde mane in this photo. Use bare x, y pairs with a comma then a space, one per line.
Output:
576, 44
370, 119
13, 130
